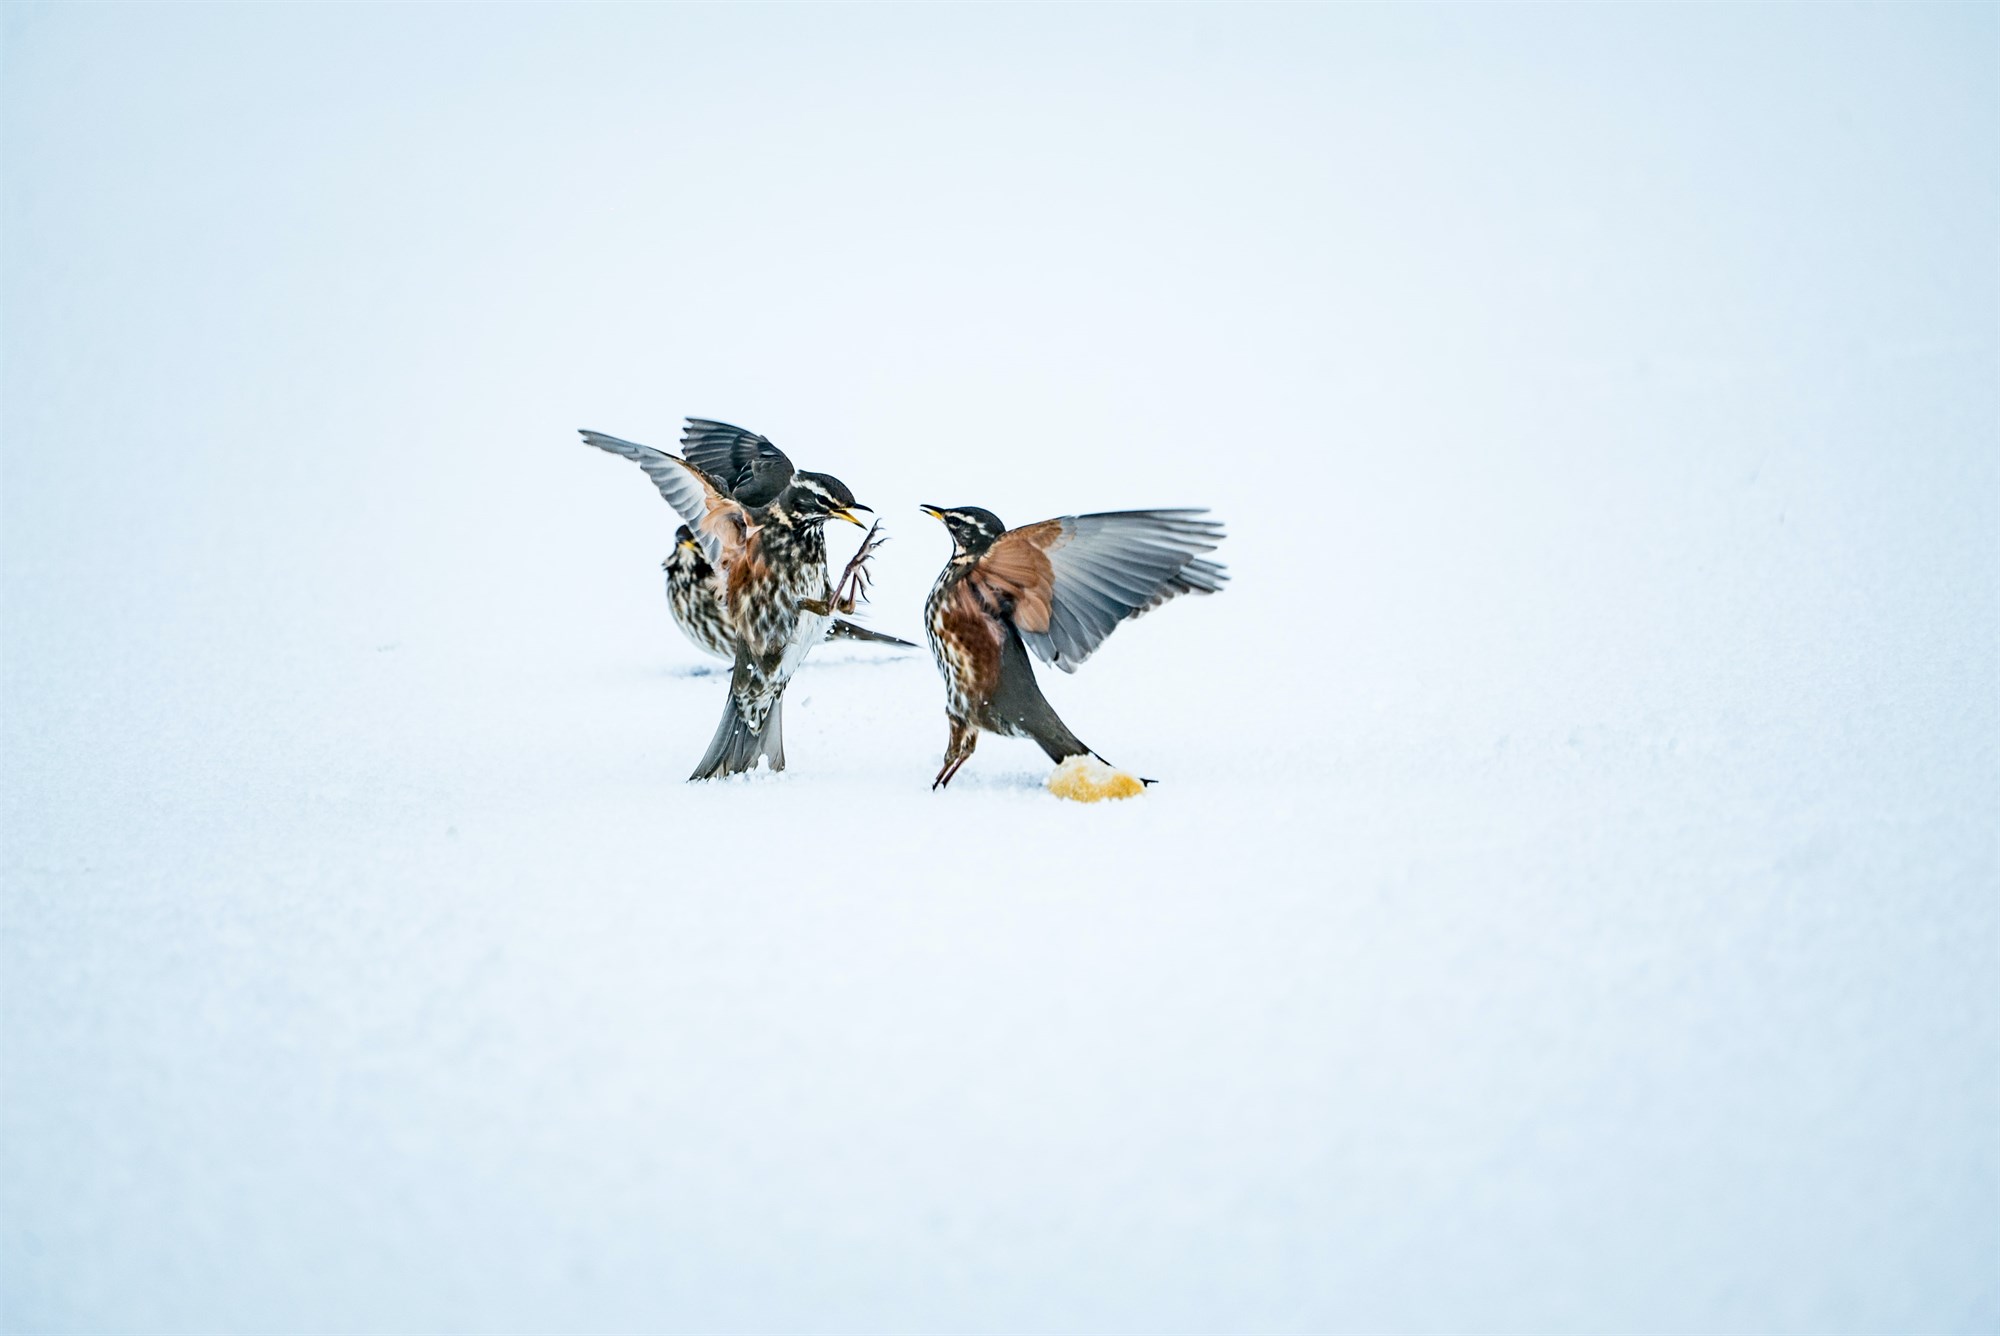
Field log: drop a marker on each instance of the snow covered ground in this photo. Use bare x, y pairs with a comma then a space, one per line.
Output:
1572, 899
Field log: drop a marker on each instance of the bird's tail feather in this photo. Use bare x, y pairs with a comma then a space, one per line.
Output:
1054, 737
1020, 708
737, 747
1061, 744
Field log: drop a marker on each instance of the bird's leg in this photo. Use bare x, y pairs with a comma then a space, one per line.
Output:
852, 591
964, 737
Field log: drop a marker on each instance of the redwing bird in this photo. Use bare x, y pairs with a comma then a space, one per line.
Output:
769, 562
693, 594
779, 604
1057, 588
754, 471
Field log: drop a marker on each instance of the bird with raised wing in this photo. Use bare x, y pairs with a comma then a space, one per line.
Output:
694, 595
753, 470
1055, 589
767, 566
749, 467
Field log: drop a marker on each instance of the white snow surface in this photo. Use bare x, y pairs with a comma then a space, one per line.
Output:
1569, 900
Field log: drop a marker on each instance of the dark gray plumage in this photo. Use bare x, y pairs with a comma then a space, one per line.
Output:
751, 469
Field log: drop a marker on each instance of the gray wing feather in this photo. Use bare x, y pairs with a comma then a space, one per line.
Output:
682, 489
1117, 565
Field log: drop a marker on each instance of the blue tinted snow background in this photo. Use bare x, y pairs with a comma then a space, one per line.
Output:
1571, 902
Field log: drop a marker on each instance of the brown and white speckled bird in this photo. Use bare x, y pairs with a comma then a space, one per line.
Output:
761, 471
769, 564
780, 605
1056, 588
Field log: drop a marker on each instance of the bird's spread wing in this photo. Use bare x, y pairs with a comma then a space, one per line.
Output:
1066, 583
721, 524
731, 454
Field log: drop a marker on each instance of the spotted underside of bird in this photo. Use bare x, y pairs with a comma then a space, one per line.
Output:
694, 595
767, 568
1056, 589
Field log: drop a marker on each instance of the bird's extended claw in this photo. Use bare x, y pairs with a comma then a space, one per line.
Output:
852, 591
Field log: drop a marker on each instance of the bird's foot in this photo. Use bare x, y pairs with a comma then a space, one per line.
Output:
852, 591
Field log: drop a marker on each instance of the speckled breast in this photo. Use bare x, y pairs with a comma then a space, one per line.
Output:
953, 663
697, 607
772, 620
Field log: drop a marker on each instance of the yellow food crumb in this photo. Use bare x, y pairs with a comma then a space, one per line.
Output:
1085, 779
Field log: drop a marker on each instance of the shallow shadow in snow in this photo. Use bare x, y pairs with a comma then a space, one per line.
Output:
700, 670
879, 659
1016, 781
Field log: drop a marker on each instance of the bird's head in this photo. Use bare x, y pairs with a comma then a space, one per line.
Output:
818, 497
972, 530
687, 551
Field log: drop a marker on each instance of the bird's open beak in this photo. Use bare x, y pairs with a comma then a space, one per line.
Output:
935, 512
847, 513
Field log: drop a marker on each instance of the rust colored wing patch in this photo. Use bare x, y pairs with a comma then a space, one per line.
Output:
1073, 579
1015, 576
725, 530
748, 572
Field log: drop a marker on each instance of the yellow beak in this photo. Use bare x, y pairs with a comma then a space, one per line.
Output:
844, 513
932, 511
